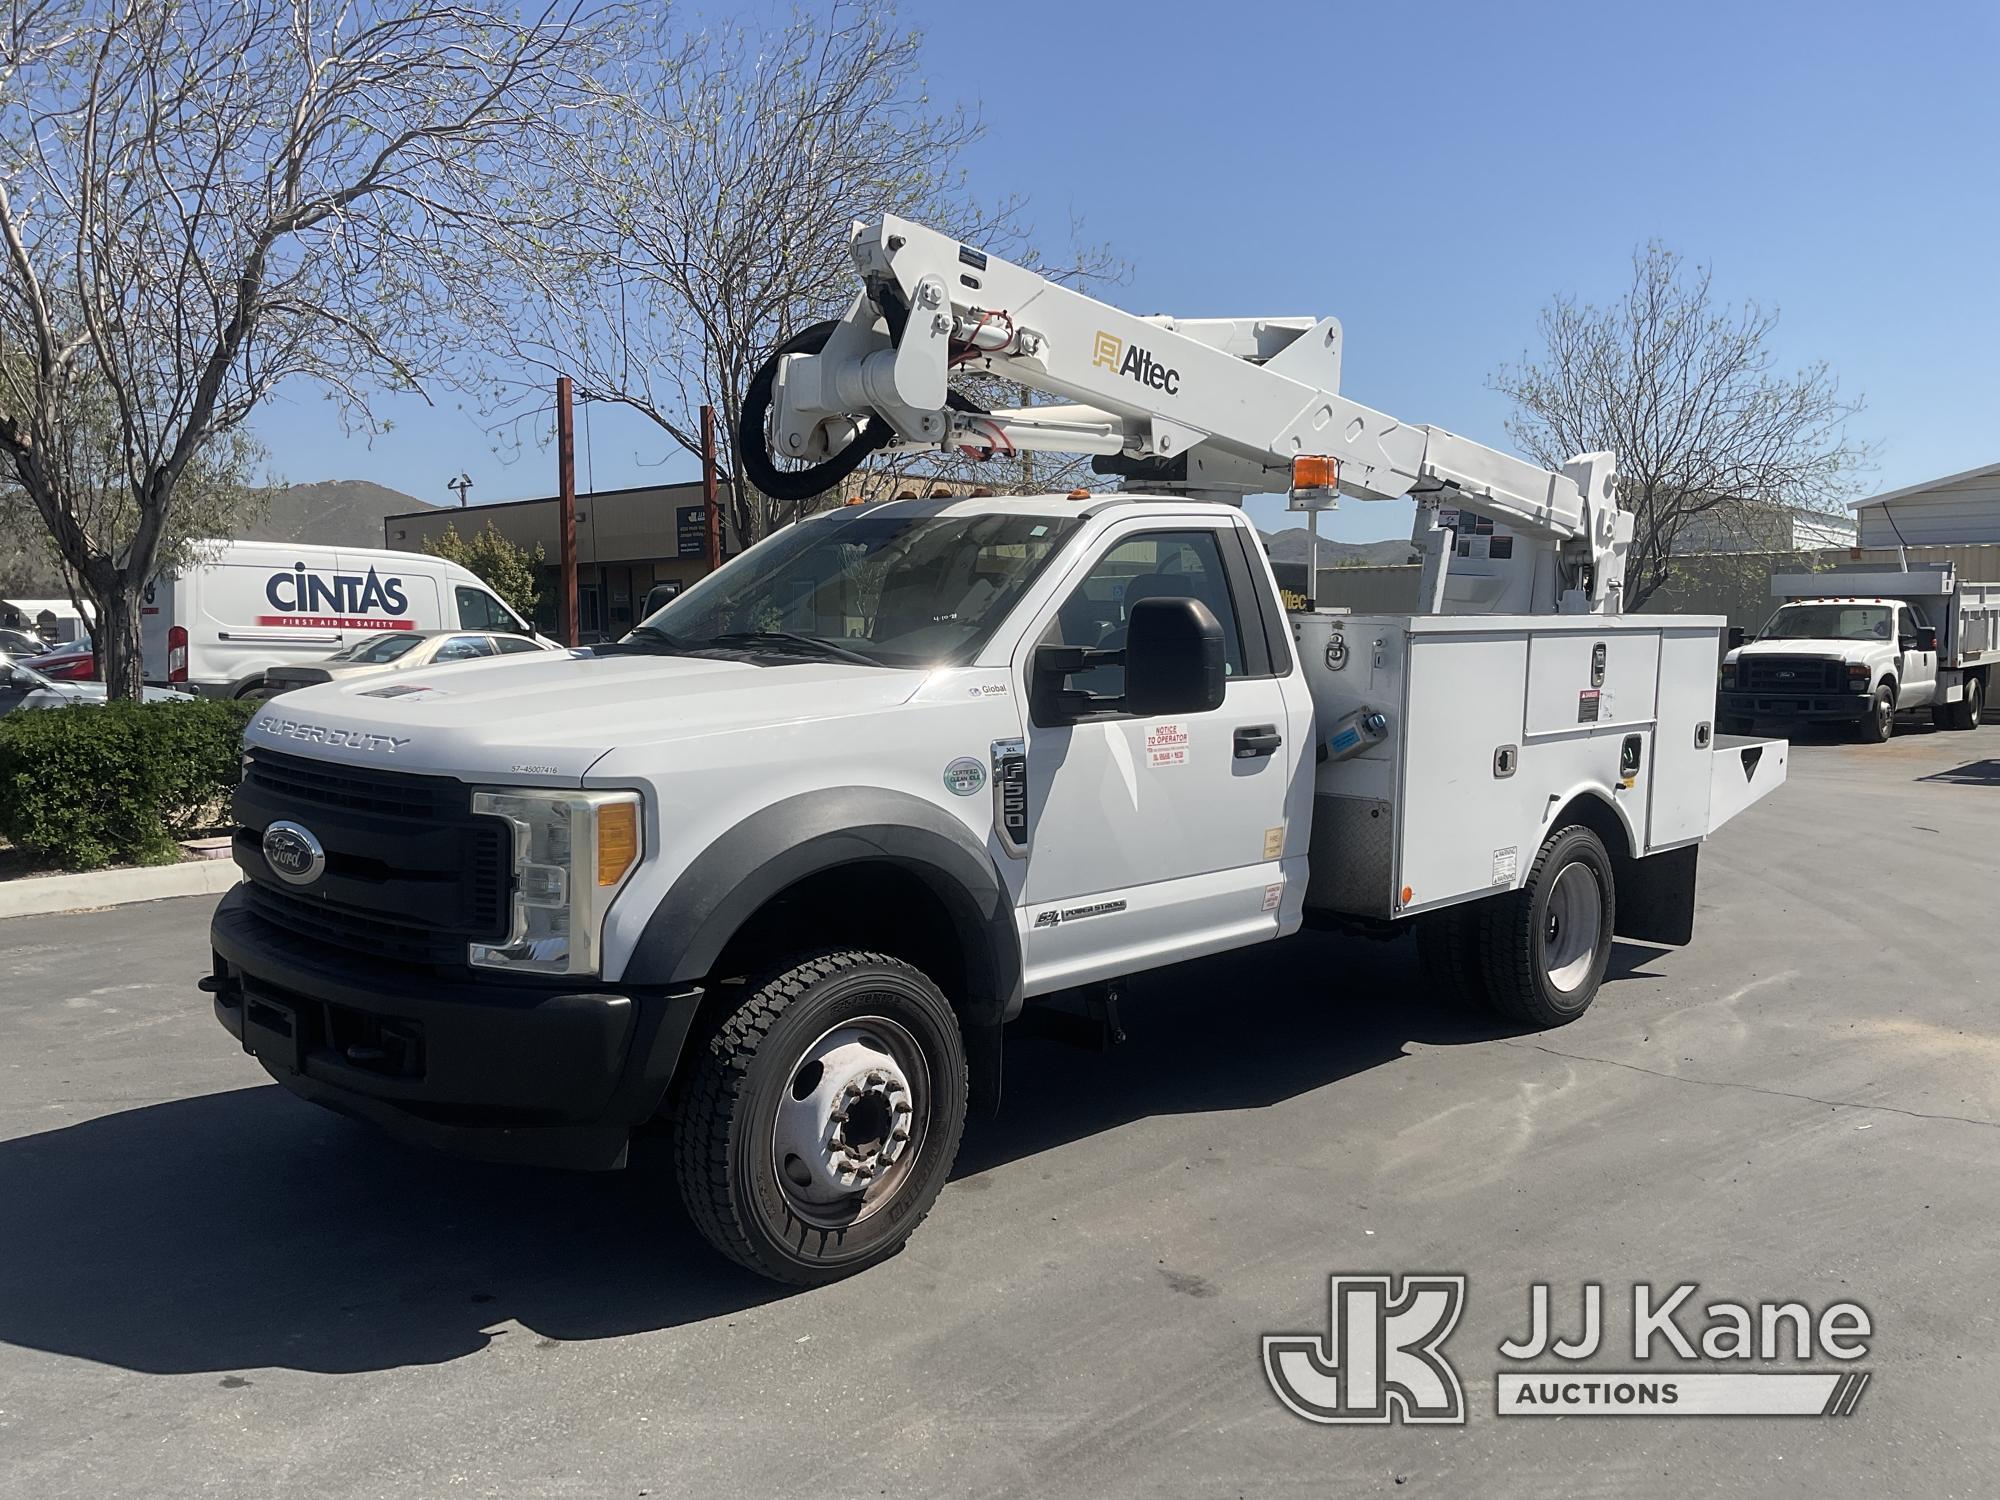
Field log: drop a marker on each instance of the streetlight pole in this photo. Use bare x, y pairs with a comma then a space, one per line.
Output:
458, 487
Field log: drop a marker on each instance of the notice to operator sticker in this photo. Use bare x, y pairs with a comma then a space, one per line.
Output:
1167, 745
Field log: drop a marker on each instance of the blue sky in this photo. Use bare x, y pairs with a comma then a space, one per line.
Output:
1432, 175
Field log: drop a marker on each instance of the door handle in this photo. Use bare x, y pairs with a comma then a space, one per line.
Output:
1254, 740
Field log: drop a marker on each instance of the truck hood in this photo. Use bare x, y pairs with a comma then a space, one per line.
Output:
545, 719
1827, 650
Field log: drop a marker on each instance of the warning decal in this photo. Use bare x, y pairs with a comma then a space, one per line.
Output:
1167, 745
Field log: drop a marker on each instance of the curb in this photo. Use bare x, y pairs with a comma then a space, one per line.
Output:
40, 895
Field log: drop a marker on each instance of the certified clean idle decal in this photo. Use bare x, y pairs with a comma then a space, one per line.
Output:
964, 777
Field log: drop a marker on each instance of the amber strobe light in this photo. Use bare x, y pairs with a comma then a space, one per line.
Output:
617, 841
1315, 471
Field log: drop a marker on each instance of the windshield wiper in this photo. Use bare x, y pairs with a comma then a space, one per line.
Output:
787, 638
644, 638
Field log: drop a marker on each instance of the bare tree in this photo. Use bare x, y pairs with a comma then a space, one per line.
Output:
723, 190
200, 199
1711, 439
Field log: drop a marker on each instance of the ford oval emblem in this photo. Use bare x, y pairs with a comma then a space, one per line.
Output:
294, 855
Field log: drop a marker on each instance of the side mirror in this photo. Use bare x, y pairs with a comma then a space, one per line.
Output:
1173, 659
1735, 636
1927, 637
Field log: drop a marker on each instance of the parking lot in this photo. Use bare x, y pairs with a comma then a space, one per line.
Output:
207, 1286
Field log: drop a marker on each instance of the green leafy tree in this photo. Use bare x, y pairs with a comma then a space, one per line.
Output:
506, 569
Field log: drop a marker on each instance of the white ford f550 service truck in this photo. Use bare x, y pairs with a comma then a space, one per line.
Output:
777, 868
1862, 645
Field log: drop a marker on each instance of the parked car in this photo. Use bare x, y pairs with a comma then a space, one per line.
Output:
20, 644
72, 661
217, 627
399, 650
21, 686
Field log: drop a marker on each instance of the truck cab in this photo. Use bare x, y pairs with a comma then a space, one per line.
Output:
1852, 660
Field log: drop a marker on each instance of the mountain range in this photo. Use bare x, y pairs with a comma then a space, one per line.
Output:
1294, 544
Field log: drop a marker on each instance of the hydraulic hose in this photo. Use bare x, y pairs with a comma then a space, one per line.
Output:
753, 446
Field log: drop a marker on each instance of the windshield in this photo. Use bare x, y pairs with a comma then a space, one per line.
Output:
1831, 622
898, 589
376, 649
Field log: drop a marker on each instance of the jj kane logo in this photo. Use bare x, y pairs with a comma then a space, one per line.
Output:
1382, 1358
1115, 355
1380, 1361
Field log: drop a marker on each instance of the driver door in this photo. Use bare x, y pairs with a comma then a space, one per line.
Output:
1919, 667
1155, 839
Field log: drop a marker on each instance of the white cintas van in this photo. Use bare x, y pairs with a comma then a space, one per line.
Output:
217, 625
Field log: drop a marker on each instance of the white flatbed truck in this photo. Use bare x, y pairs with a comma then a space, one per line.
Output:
778, 868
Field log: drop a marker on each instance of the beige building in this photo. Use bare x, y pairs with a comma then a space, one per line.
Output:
628, 543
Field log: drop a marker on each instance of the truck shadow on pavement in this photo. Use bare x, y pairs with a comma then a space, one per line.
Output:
248, 1229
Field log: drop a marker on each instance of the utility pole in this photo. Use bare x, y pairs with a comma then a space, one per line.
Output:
713, 511
566, 504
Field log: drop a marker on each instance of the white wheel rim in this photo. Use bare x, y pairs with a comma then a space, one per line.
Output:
1571, 927
850, 1120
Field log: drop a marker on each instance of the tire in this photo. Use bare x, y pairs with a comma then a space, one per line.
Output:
1546, 945
1449, 957
768, 1173
1879, 723
1965, 713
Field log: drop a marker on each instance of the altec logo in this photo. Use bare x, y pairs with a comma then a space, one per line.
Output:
1112, 353
342, 601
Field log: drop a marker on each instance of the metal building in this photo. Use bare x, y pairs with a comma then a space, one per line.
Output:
1958, 509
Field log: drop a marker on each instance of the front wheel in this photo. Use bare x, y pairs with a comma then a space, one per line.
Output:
822, 1117
1880, 721
1546, 945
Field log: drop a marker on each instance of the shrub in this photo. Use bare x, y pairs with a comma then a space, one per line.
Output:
117, 782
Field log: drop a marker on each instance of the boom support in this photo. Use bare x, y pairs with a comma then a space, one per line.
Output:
1217, 407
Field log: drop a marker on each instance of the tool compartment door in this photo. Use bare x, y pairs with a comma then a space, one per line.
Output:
1683, 742
1461, 825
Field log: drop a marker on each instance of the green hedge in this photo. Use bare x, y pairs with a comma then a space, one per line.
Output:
117, 783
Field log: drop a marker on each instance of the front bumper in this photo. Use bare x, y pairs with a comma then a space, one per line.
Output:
1735, 703
553, 1074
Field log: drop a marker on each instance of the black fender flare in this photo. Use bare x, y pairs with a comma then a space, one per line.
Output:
780, 845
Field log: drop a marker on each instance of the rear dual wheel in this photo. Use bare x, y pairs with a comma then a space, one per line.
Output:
1965, 713
1535, 955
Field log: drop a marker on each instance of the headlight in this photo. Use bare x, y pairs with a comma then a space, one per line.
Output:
572, 852
1729, 674
1859, 675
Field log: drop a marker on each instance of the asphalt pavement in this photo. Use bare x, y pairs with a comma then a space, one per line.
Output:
208, 1287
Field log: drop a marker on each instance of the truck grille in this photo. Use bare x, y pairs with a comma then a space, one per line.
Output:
1792, 674
411, 874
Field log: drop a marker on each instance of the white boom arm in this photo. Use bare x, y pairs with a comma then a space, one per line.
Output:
1219, 407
